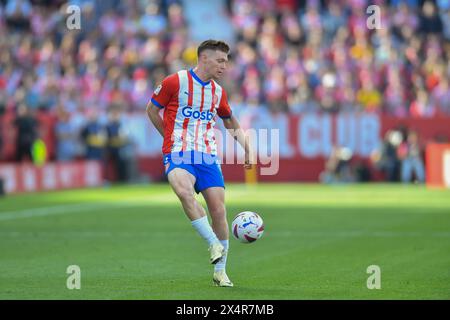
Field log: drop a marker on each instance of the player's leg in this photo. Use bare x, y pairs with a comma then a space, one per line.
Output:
212, 186
182, 183
215, 200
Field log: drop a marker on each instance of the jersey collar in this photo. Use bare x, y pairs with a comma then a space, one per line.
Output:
191, 71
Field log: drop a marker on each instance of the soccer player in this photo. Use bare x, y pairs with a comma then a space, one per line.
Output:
191, 99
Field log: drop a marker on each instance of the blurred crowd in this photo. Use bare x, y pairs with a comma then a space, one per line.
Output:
290, 56
324, 58
399, 158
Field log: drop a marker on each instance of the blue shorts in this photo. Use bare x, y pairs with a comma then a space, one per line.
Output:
204, 167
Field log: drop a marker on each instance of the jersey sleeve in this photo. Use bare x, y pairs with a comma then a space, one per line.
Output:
224, 110
162, 94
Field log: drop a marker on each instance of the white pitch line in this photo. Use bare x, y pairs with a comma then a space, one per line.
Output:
54, 210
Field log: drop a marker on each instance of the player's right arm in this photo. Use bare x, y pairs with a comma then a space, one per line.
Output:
155, 118
160, 99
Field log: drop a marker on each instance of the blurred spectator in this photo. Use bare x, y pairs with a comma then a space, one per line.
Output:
385, 158
333, 19
430, 21
422, 107
26, 125
118, 145
39, 152
1, 141
337, 167
369, 97
2, 112
152, 22
362, 171
2, 188
441, 97
410, 153
445, 18
18, 13
94, 136
66, 136
395, 95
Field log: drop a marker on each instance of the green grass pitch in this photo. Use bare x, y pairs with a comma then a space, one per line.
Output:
134, 242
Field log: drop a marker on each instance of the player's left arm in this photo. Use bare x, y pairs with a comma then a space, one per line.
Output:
232, 124
234, 128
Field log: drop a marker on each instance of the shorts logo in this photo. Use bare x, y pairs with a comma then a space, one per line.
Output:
158, 89
204, 115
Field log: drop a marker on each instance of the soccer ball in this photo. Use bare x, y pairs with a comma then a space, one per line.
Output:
247, 226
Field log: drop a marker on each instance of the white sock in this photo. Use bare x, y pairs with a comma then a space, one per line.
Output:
223, 261
204, 230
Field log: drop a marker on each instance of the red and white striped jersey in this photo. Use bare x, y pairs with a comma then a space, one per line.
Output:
190, 107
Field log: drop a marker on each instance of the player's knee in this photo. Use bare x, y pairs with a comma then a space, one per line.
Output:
218, 212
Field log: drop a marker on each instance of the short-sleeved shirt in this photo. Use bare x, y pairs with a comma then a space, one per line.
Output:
190, 109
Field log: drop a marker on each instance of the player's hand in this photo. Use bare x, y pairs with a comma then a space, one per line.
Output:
249, 160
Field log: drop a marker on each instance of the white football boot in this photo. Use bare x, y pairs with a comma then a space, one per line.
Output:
217, 251
221, 279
